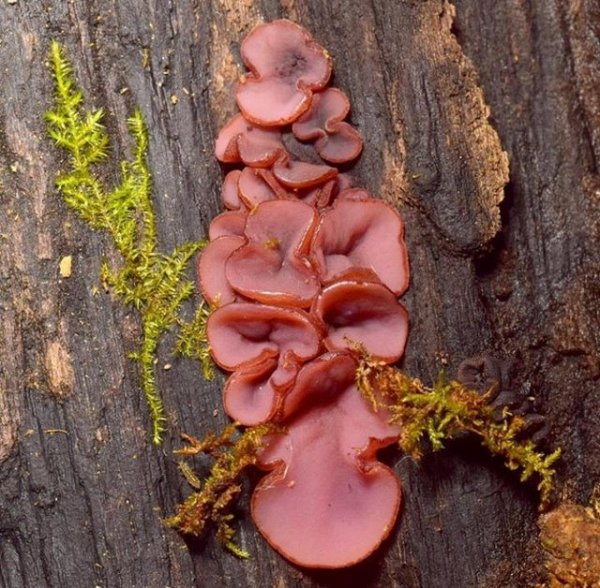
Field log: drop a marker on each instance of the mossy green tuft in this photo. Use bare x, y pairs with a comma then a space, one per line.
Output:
154, 283
447, 409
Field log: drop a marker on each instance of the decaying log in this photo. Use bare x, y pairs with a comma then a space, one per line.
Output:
447, 97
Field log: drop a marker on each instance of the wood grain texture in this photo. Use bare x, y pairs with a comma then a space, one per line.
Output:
515, 272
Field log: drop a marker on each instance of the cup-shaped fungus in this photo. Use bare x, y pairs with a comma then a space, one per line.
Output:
272, 267
258, 185
364, 313
299, 174
211, 270
336, 141
328, 502
350, 237
243, 334
287, 65
293, 277
242, 141
252, 395
230, 222
229, 191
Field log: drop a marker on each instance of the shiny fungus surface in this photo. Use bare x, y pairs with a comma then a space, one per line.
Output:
287, 65
365, 313
252, 395
242, 141
272, 266
214, 286
350, 237
328, 502
243, 334
336, 141
302, 268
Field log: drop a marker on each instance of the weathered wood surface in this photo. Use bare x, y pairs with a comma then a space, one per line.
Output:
82, 506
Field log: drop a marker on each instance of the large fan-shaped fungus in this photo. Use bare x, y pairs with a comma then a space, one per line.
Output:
328, 502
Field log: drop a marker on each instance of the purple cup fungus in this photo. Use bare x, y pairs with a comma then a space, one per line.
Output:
336, 141
287, 65
301, 269
350, 236
229, 191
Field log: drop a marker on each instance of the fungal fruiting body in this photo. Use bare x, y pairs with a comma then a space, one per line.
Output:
301, 269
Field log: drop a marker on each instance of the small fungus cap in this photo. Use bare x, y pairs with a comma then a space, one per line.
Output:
251, 395
336, 141
242, 141
287, 65
212, 282
350, 237
243, 335
365, 313
272, 267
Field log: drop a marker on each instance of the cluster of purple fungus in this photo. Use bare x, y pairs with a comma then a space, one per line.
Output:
302, 270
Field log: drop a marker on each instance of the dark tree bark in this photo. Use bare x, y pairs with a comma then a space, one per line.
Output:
513, 271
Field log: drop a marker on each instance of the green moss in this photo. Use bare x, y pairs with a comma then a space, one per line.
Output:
152, 282
447, 409
193, 342
214, 497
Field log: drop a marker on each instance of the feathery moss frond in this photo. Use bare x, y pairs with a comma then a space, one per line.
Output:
193, 342
447, 409
154, 283
214, 498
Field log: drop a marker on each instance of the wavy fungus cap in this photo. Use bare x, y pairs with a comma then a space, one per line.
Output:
243, 335
241, 141
349, 238
287, 65
365, 313
327, 502
336, 141
272, 267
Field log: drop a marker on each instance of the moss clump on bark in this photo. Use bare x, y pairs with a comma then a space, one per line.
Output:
446, 410
214, 497
155, 284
